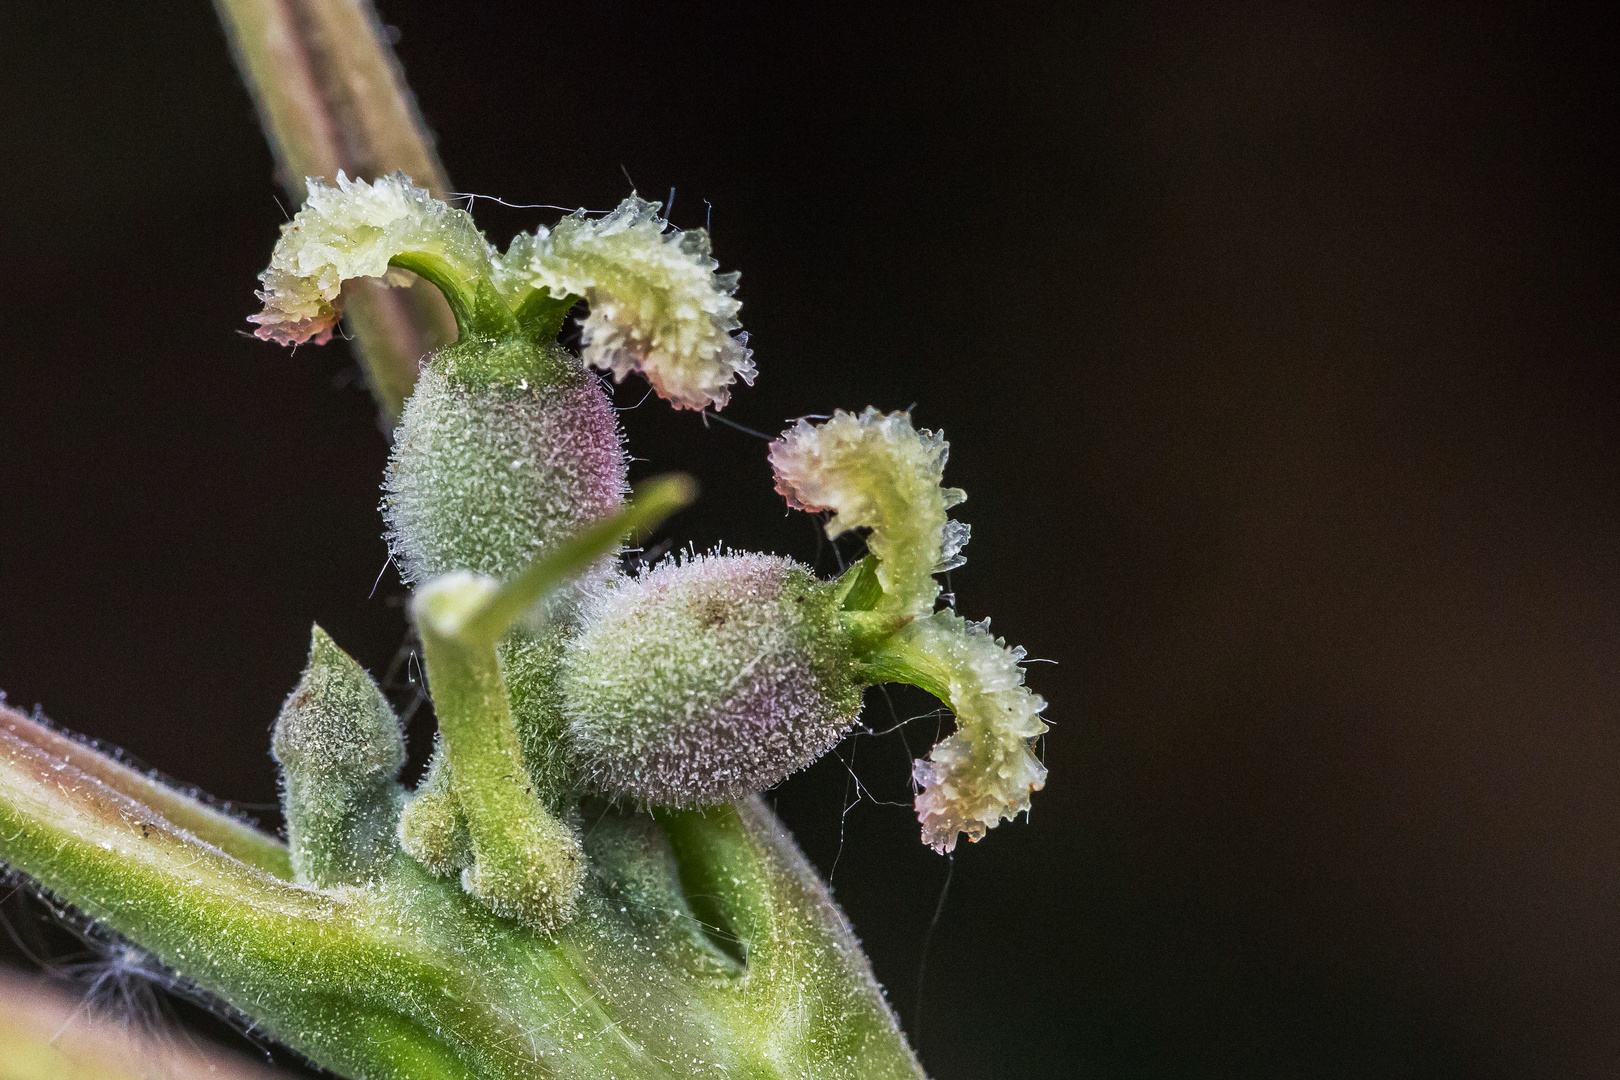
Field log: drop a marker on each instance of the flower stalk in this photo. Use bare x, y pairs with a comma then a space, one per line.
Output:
410, 977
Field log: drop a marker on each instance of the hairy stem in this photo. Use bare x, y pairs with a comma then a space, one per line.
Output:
409, 977
233, 929
235, 838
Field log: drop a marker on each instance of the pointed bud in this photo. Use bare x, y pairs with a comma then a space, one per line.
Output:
340, 749
432, 829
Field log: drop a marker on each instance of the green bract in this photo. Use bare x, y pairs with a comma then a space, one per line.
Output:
584, 884
340, 750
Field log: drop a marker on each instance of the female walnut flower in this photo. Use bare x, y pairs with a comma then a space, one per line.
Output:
706, 680
699, 681
879, 472
585, 883
507, 453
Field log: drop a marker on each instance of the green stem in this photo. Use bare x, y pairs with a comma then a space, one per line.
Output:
526, 864
236, 838
331, 95
232, 928
408, 978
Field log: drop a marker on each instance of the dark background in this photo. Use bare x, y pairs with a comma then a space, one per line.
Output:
1277, 351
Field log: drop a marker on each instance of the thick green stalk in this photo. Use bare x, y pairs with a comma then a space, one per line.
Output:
409, 978
526, 864
331, 96
260, 942
231, 835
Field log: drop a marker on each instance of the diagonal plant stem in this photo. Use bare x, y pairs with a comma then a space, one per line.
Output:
235, 838
411, 979
331, 96
231, 928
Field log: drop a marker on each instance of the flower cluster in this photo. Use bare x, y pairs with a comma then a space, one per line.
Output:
700, 681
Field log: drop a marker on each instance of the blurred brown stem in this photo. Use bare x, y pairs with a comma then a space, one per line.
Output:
45, 1034
331, 96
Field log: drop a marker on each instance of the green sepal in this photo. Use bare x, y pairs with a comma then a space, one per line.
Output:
859, 588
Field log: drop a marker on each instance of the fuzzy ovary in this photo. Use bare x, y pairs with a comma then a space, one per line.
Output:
505, 449
703, 681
